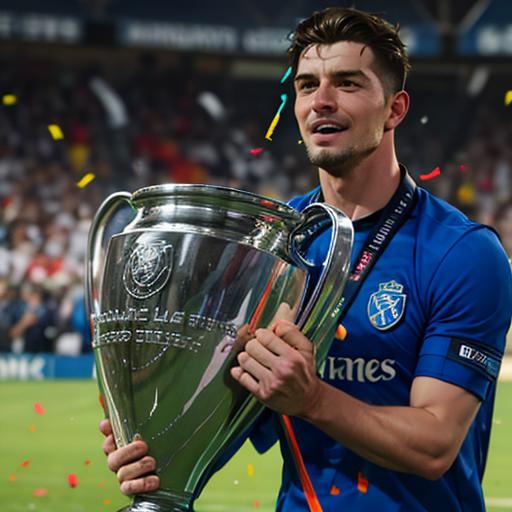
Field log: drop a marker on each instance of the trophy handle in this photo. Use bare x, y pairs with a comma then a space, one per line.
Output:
318, 317
100, 232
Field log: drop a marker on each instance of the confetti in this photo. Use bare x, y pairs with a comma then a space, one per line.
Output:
72, 480
9, 99
250, 469
462, 167
274, 122
236, 482
86, 180
256, 151
25, 463
257, 504
106, 502
430, 176
32, 428
40, 493
334, 491
101, 485
466, 193
341, 332
38, 408
87, 462
424, 120
508, 98
287, 73
12, 478
55, 132
362, 483
300, 141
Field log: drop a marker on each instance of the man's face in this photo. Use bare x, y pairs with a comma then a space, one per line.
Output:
340, 105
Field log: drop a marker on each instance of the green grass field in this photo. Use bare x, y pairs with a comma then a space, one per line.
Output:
38, 451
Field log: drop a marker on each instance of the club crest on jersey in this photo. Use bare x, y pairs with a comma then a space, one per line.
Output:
387, 305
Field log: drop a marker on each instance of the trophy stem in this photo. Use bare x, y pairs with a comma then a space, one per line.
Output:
160, 501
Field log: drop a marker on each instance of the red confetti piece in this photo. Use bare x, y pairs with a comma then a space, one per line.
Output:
257, 503
256, 151
362, 483
334, 491
38, 408
72, 480
40, 493
12, 478
106, 502
462, 168
430, 176
87, 462
25, 463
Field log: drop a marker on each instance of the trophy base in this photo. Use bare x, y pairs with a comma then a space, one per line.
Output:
159, 502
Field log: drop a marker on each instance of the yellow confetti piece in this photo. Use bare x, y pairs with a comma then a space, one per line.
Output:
300, 141
341, 332
86, 180
55, 131
272, 126
508, 98
32, 428
250, 469
9, 99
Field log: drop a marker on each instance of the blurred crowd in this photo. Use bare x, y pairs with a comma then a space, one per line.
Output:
148, 124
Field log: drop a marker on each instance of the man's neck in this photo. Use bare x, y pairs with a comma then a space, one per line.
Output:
364, 190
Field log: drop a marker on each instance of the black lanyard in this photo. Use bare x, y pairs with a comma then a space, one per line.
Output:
392, 217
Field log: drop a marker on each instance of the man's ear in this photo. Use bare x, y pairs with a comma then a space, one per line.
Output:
399, 106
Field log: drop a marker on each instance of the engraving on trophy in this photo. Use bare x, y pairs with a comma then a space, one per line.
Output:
148, 268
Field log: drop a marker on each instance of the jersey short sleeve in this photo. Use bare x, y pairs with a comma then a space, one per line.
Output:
468, 301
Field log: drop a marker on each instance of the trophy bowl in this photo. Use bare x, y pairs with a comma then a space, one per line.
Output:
178, 279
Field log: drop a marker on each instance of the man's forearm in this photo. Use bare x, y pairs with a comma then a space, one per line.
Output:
407, 439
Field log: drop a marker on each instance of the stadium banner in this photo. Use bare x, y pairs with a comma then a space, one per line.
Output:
488, 32
46, 366
40, 27
421, 39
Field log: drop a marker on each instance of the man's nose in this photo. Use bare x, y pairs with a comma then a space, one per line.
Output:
325, 99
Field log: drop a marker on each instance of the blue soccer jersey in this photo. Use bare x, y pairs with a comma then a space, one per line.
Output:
437, 303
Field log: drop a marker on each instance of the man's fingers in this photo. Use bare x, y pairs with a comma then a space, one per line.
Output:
105, 427
271, 342
292, 335
109, 445
245, 379
136, 469
146, 484
264, 356
126, 454
252, 366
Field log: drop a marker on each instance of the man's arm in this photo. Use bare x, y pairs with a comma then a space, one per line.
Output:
422, 438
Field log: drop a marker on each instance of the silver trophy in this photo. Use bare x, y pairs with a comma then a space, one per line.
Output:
178, 279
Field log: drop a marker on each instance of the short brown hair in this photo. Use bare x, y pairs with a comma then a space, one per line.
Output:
336, 24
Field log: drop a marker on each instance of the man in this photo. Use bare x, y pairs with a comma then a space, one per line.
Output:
399, 417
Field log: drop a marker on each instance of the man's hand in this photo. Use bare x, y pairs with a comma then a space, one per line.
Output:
278, 368
131, 464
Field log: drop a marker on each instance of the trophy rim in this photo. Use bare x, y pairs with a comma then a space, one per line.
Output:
192, 189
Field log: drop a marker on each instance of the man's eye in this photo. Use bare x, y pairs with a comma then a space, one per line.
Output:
348, 83
307, 85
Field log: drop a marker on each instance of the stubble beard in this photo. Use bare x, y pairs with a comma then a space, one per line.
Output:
340, 163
